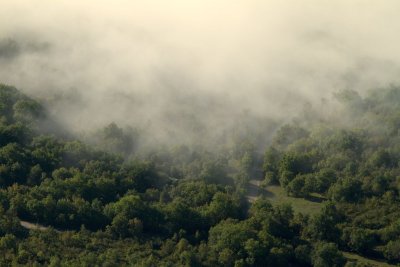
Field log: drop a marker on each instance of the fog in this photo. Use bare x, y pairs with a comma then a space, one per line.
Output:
187, 70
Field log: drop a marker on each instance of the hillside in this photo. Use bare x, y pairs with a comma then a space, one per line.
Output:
330, 187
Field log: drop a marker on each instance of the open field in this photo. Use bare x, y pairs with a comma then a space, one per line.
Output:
367, 262
277, 195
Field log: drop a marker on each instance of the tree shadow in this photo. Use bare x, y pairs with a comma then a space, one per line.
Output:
254, 191
316, 199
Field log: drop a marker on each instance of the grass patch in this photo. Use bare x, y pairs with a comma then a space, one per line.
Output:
368, 262
277, 195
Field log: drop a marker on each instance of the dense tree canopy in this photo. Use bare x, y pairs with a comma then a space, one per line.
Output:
102, 204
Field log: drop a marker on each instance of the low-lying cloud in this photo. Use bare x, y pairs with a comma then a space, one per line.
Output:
184, 69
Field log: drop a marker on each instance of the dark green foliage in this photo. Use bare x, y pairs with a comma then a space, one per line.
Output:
270, 165
323, 226
327, 255
223, 206
184, 206
392, 251
228, 240
288, 134
215, 173
359, 239
291, 165
346, 189
115, 139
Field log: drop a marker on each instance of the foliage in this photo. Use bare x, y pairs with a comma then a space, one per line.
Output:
101, 203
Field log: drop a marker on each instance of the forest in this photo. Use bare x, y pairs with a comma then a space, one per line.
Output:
95, 200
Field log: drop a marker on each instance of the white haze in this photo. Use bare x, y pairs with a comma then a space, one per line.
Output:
180, 68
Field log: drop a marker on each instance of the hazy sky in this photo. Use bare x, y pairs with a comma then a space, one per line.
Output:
142, 61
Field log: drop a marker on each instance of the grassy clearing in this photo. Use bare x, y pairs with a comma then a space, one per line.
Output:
367, 262
277, 195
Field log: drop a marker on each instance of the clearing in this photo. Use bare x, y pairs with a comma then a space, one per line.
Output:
277, 195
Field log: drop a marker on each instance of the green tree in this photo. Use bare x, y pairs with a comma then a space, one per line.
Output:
327, 255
